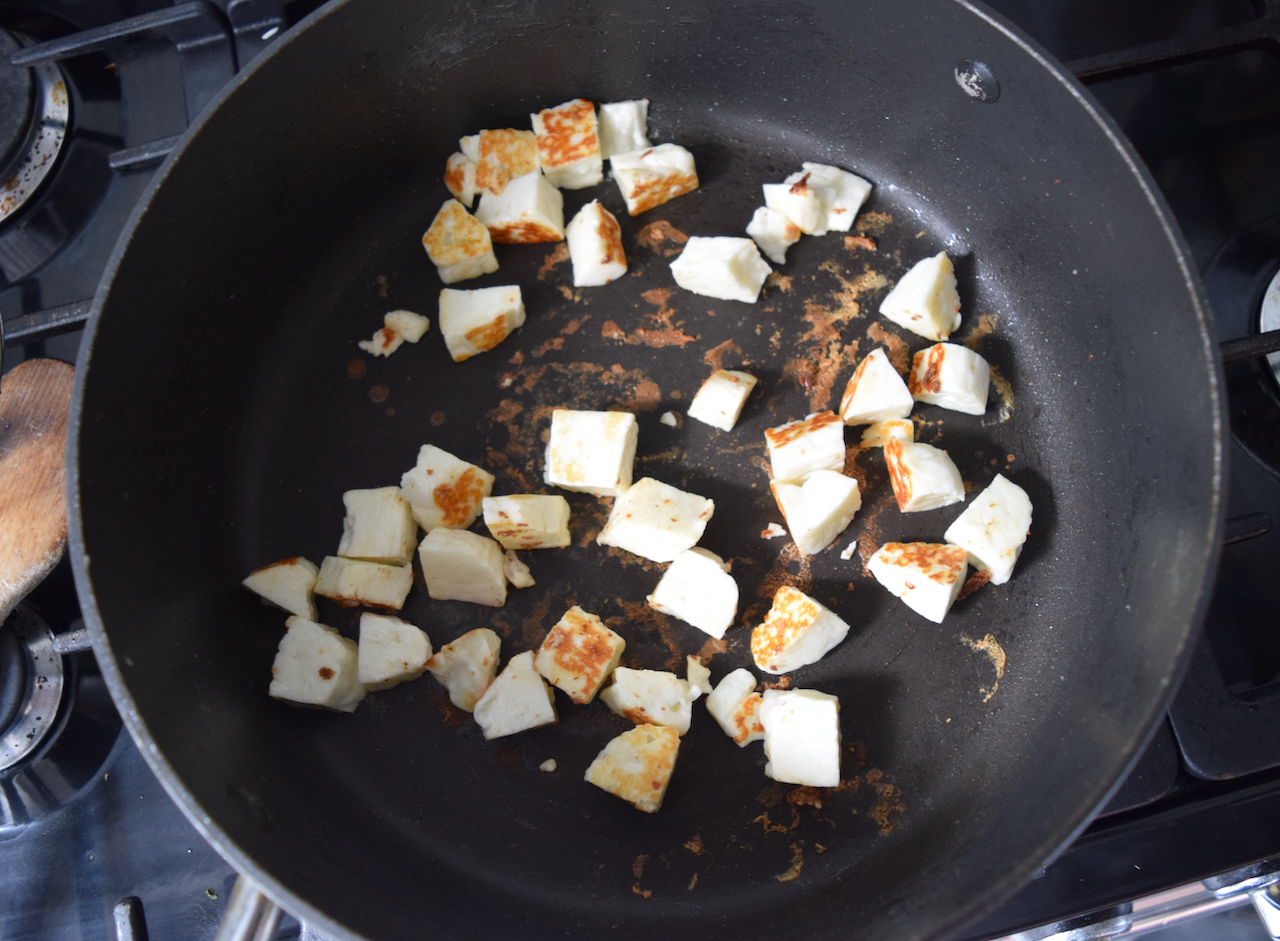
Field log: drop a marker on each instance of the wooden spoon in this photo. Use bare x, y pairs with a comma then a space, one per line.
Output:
34, 400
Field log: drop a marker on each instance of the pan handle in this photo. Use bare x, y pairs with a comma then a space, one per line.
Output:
250, 915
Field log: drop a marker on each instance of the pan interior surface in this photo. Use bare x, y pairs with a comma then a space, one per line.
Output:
224, 351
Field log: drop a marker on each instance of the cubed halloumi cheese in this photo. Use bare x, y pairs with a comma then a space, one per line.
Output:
529, 210
391, 651
818, 510
699, 677
528, 520
475, 321
876, 434
735, 705
459, 565
637, 766
875, 392
624, 126
651, 176
502, 155
773, 232
799, 448
924, 300
801, 736
650, 697
803, 204
517, 573
397, 327
460, 178
721, 266
719, 401
316, 666
378, 526
591, 452
950, 376
351, 583
655, 520
797, 631
698, 589
288, 584
459, 246
579, 654
923, 477
927, 576
848, 192
569, 144
466, 666
444, 490
993, 528
517, 700
595, 246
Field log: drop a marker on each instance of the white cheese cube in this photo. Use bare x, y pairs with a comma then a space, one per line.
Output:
517, 573
466, 666
721, 266
923, 477
651, 176
818, 510
875, 392
797, 631
391, 651
927, 576
444, 490
470, 147
591, 452
316, 666
650, 696
474, 321
773, 232
569, 144
799, 448
804, 205
924, 300
378, 527
699, 677
950, 376
351, 583
502, 155
528, 520
698, 589
463, 566
656, 521
288, 584
720, 399
993, 528
458, 245
801, 737
595, 246
397, 327
637, 766
876, 434
517, 700
460, 178
529, 210
579, 654
848, 192
735, 704
624, 127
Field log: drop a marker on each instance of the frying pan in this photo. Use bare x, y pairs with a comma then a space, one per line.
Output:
224, 408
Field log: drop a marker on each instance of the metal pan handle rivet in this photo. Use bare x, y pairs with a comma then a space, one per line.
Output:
977, 81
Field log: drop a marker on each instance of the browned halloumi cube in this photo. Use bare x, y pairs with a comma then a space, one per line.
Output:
637, 765
504, 154
579, 655
569, 144
458, 245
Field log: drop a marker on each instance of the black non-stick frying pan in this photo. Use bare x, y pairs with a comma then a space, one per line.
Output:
225, 408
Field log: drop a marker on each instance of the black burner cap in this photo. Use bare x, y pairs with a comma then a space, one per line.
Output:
17, 106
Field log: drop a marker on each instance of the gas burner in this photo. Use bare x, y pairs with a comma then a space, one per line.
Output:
33, 134
1270, 318
30, 686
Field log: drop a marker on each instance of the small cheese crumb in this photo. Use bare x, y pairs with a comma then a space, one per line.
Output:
549, 765
720, 399
517, 572
458, 245
591, 452
316, 666
398, 326
699, 677
734, 704
477, 320
875, 435
460, 178
848, 551
924, 300
772, 531
656, 521
723, 267
669, 419
797, 631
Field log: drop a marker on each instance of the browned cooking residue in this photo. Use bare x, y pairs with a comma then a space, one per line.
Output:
1004, 391
889, 807
571, 327
655, 234
693, 882
869, 541
569, 293
643, 893
657, 329
694, 844
637, 865
780, 573
797, 863
437, 419
714, 357
647, 397
805, 796
873, 223
556, 256
533, 629
782, 682
855, 242
556, 343
378, 393
517, 359
638, 615
982, 328
973, 582
783, 282
356, 369
712, 647
380, 285
995, 653
771, 827
894, 345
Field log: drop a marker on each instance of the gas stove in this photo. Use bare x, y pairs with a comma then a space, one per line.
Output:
98, 91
